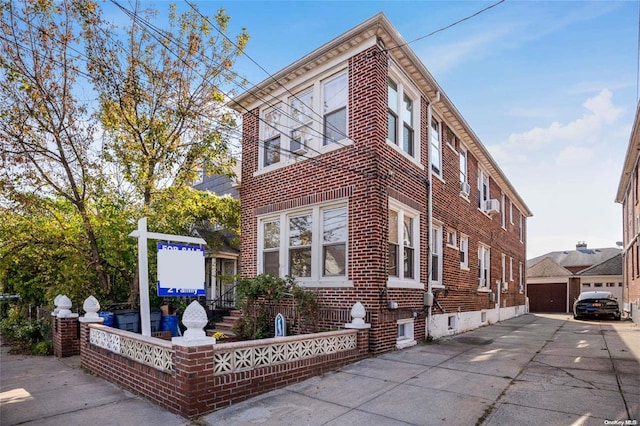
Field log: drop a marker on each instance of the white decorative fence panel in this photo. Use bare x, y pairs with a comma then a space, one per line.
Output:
158, 357
245, 358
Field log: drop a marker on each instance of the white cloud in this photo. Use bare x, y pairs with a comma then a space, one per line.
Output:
558, 140
567, 173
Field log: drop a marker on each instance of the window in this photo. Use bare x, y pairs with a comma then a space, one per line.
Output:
315, 119
464, 252
435, 245
452, 238
484, 267
404, 243
309, 244
272, 125
503, 211
464, 177
597, 284
520, 283
436, 145
504, 270
301, 122
511, 212
334, 242
335, 109
521, 227
405, 333
483, 189
451, 322
401, 117
511, 269
586, 285
271, 248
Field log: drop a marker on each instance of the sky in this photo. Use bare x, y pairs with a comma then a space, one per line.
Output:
550, 88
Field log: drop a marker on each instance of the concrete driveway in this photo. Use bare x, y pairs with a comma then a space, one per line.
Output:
531, 370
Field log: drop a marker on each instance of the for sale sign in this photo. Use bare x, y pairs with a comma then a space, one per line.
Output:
180, 270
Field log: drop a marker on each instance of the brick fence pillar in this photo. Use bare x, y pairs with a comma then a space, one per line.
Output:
66, 336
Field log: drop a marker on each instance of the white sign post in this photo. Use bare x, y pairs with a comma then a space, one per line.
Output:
142, 235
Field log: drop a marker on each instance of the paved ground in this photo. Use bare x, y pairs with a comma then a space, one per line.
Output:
531, 370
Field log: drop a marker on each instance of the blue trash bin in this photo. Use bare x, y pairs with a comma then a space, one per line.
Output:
170, 323
155, 318
108, 318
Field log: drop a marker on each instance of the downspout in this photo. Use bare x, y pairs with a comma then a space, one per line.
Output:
429, 295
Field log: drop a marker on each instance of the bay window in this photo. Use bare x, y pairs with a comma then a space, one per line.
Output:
309, 244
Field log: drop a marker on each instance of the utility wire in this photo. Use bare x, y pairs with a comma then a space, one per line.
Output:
446, 27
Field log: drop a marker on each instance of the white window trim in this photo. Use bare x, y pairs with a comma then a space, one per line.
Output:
454, 233
317, 279
482, 175
316, 146
465, 265
510, 268
503, 211
463, 152
400, 281
520, 284
510, 211
405, 86
437, 226
521, 229
437, 119
409, 337
485, 284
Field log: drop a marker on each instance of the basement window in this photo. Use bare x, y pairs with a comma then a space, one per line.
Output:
405, 333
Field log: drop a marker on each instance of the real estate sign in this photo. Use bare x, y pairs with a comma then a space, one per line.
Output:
180, 270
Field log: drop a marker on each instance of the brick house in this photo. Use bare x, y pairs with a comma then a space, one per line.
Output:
629, 196
361, 179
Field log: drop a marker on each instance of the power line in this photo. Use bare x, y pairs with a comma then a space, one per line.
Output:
445, 27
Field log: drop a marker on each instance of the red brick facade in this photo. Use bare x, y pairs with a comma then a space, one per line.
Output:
367, 174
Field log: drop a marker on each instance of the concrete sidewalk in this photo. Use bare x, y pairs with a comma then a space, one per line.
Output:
38, 390
530, 370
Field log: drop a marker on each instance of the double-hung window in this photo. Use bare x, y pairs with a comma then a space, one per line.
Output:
484, 267
301, 122
272, 125
464, 176
483, 190
464, 252
271, 247
435, 247
435, 136
503, 211
403, 246
334, 109
308, 244
402, 114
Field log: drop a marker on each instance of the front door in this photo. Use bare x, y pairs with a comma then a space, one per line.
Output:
225, 282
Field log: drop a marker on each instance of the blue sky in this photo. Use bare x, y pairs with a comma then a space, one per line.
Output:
549, 87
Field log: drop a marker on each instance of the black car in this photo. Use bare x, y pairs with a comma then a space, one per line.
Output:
596, 304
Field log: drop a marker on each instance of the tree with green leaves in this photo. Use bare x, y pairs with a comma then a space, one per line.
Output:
98, 130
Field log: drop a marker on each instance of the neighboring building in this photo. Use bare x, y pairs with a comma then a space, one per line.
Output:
221, 259
555, 279
339, 152
629, 196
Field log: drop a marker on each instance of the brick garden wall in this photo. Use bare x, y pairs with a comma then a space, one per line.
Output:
193, 388
66, 337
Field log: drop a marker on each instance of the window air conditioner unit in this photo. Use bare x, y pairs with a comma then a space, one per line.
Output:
465, 188
492, 206
300, 151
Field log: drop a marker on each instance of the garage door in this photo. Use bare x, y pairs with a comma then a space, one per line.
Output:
550, 297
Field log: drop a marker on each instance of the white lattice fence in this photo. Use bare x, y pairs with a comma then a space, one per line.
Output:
155, 356
246, 358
